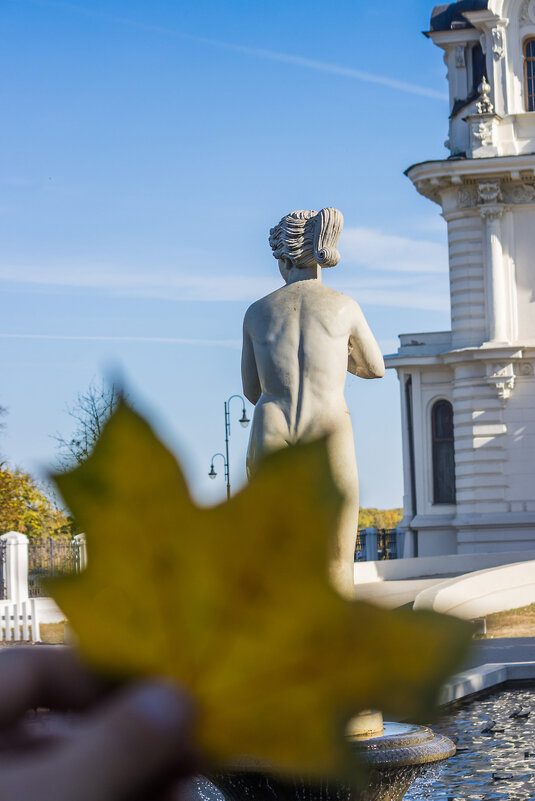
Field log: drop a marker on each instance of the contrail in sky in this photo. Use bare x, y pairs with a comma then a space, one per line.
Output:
271, 55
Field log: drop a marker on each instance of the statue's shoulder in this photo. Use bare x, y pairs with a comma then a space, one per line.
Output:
262, 307
338, 299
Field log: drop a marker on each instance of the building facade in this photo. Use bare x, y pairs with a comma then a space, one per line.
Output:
468, 395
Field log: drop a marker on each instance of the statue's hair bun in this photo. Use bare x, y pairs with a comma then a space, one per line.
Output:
327, 257
329, 224
307, 238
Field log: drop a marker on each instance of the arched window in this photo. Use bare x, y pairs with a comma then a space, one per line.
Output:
443, 452
529, 72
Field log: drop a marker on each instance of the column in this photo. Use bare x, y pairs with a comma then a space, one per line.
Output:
371, 544
16, 566
81, 552
495, 273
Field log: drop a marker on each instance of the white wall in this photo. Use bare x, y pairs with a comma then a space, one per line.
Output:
422, 567
519, 415
48, 611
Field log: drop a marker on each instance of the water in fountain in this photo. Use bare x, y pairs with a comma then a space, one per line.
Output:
494, 766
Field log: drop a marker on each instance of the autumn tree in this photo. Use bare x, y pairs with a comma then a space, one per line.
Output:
380, 518
90, 411
24, 506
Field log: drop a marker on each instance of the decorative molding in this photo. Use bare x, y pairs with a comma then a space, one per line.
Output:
498, 43
489, 191
491, 212
520, 193
501, 376
499, 369
527, 13
483, 132
466, 198
460, 57
484, 106
483, 125
490, 194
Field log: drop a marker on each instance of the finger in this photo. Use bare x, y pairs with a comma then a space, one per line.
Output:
39, 676
131, 742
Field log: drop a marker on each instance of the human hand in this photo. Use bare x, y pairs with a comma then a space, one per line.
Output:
132, 744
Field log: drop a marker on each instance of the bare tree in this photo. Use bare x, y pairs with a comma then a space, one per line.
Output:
3, 411
90, 411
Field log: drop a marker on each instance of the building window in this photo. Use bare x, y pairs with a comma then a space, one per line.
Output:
479, 68
443, 452
529, 62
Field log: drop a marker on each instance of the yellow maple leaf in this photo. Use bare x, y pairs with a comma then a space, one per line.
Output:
234, 602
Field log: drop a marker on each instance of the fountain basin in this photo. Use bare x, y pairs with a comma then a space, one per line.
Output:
396, 758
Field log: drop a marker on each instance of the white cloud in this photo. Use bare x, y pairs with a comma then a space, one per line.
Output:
377, 250
393, 271
378, 269
135, 282
402, 297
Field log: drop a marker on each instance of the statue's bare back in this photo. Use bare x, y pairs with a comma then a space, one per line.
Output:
304, 337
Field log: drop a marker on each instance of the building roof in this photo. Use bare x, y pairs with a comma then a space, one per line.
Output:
450, 16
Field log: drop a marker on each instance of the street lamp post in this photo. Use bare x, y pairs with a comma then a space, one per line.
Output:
212, 474
244, 422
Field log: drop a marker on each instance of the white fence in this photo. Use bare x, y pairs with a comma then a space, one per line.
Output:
20, 614
19, 621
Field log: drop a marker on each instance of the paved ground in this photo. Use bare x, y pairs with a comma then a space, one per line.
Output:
510, 649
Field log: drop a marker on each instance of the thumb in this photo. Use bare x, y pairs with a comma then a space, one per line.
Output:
138, 737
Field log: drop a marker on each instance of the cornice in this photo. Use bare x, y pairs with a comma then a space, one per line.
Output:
433, 178
484, 17
503, 364
495, 165
485, 352
395, 360
445, 39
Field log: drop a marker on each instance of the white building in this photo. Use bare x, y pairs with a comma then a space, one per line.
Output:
468, 395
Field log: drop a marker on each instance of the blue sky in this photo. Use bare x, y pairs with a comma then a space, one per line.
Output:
146, 150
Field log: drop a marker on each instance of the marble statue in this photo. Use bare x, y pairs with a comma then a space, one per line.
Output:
298, 344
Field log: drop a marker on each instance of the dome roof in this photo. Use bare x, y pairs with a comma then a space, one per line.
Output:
450, 16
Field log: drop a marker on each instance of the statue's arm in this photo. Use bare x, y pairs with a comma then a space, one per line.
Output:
249, 372
365, 358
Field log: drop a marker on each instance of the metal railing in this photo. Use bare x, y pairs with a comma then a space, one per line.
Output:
388, 545
50, 557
